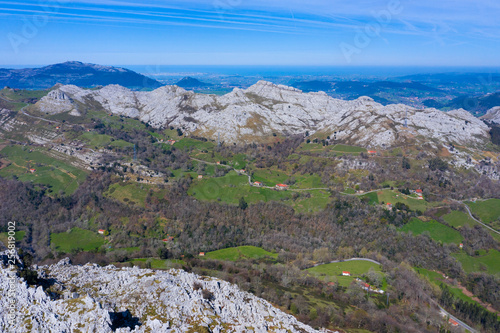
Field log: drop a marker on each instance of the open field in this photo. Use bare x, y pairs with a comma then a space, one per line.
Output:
77, 239
4, 237
239, 161
356, 267
338, 149
311, 201
121, 144
489, 262
95, 139
371, 197
239, 253
132, 193
158, 263
437, 279
458, 219
487, 210
347, 149
271, 177
58, 175
188, 143
393, 196
19, 98
436, 230
231, 188
333, 271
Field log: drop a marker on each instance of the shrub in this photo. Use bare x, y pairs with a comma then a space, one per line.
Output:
207, 294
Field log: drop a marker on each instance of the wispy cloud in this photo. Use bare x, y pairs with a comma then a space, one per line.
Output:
292, 16
286, 26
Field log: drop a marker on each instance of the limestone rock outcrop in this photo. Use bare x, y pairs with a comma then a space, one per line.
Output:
91, 298
257, 112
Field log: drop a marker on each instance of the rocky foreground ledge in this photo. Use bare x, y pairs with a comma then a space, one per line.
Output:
91, 298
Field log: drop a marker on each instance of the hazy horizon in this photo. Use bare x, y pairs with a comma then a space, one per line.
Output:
290, 70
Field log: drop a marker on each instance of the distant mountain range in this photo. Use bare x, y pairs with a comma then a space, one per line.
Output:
479, 104
380, 91
454, 78
77, 73
359, 87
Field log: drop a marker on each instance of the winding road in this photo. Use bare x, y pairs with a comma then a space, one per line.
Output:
478, 221
351, 259
443, 312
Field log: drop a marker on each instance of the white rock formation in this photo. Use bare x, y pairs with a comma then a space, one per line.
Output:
493, 115
107, 299
265, 108
57, 101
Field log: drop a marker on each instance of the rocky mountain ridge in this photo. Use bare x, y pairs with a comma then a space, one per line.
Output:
265, 109
91, 298
74, 72
492, 116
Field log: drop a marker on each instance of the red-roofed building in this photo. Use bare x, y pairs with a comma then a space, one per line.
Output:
32, 170
453, 322
101, 231
418, 191
281, 186
259, 184
168, 239
372, 151
202, 254
389, 205
345, 273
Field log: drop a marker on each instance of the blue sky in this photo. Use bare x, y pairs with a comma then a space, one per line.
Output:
252, 32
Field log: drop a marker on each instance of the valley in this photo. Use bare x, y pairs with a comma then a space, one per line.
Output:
279, 213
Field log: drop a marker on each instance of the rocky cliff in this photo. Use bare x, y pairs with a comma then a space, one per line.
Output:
492, 116
91, 298
263, 109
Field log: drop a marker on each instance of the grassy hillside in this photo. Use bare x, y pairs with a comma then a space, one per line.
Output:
58, 175
132, 193
487, 210
458, 219
436, 230
231, 188
333, 271
4, 237
489, 262
437, 278
76, 238
239, 253
393, 196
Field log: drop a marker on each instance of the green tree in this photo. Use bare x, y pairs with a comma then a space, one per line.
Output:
243, 204
405, 163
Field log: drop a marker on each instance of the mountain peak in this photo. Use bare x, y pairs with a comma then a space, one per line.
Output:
265, 108
76, 73
190, 82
